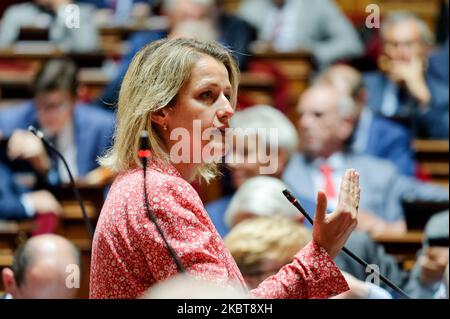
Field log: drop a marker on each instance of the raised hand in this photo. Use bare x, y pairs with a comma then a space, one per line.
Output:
331, 231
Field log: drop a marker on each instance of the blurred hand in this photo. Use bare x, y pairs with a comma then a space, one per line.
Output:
370, 223
412, 75
376, 226
433, 263
331, 231
44, 202
25, 145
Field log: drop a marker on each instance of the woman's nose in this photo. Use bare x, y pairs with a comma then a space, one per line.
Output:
225, 111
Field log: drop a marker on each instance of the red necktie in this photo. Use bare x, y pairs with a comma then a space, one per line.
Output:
328, 178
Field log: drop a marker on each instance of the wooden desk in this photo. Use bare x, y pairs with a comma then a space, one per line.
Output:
403, 247
13, 233
432, 155
42, 51
6, 258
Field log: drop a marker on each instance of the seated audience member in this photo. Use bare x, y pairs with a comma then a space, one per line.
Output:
231, 32
426, 279
80, 132
326, 123
262, 196
262, 246
247, 159
402, 88
187, 287
316, 26
40, 270
374, 134
55, 15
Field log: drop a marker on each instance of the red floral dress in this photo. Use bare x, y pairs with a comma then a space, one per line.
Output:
129, 255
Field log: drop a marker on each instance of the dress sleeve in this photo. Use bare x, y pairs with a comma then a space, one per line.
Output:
312, 274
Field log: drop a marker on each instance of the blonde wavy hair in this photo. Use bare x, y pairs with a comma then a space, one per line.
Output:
268, 237
153, 80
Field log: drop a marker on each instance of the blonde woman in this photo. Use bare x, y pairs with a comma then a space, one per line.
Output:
170, 86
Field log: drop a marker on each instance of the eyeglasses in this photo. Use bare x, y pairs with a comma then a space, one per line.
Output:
45, 108
412, 44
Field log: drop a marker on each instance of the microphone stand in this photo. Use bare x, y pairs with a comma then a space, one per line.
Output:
50, 146
144, 154
291, 198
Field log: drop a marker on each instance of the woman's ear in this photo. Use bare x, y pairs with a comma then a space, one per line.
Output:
160, 117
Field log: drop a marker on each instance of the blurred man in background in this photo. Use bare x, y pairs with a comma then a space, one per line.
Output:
41, 270
402, 88
374, 134
427, 276
245, 161
80, 132
326, 123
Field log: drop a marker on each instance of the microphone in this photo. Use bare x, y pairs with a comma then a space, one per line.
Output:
144, 153
50, 146
291, 198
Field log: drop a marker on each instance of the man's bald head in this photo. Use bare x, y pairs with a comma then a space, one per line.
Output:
39, 268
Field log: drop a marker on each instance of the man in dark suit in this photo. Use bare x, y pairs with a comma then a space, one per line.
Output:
80, 132
374, 134
326, 122
403, 88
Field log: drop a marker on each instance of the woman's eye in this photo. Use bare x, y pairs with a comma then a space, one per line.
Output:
206, 95
228, 97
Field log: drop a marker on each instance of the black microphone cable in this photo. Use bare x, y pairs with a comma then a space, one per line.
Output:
291, 198
144, 154
50, 146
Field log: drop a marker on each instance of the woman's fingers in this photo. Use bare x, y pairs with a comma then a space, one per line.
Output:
349, 195
321, 208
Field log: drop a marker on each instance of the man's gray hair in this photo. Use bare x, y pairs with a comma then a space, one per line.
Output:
261, 196
267, 117
346, 105
402, 16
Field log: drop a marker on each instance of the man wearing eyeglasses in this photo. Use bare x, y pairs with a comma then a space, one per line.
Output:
403, 89
80, 132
